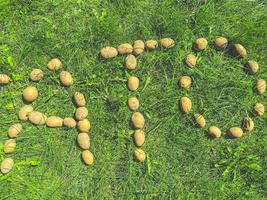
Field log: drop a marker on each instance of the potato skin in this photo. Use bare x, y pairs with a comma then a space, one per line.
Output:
9, 146
139, 155
125, 48
54, 121
167, 42
235, 132
69, 122
200, 44
4, 79
88, 157
214, 132
66, 78
6, 165
83, 140
84, 125
133, 103
37, 118
138, 120
252, 66
36, 75
81, 113
191, 60
200, 120
261, 86
14, 130
185, 104
138, 47
79, 99
139, 137
54, 64
185, 82
259, 109
30, 94
24, 112
151, 44
108, 52
133, 83
130, 62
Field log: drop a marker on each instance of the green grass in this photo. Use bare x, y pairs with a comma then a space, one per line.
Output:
182, 162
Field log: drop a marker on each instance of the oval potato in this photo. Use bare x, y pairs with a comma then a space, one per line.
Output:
9, 146
139, 154
261, 86
54, 121
167, 42
54, 64
138, 47
79, 99
84, 125
36, 75
248, 124
138, 120
259, 109
125, 48
151, 44
200, 44
252, 66
108, 52
37, 118
235, 132
185, 104
65, 78
133, 83
200, 120
4, 79
139, 137
214, 131
221, 42
133, 103
88, 157
130, 62
191, 60
30, 93
69, 122
24, 112
14, 130
81, 113
239, 50
6, 165
185, 82
83, 140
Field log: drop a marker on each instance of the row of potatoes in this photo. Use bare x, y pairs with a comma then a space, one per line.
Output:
27, 112
186, 82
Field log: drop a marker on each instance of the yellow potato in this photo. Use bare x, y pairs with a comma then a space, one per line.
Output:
108, 52
167, 42
36, 75
151, 44
79, 99
54, 121
133, 83
190, 60
24, 112
14, 130
37, 118
6, 165
138, 120
200, 44
235, 132
84, 125
252, 66
83, 140
69, 122
214, 131
138, 47
125, 48
185, 82
185, 104
65, 78
133, 103
248, 124
81, 113
9, 146
200, 120
139, 154
239, 50
54, 64
130, 62
88, 157
4, 79
139, 137
221, 42
261, 86
259, 109
30, 93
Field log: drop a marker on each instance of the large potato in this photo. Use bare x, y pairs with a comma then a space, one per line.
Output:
138, 120
185, 104
88, 157
81, 113
108, 52
139, 155
9, 146
14, 130
54, 121
69, 122
133, 103
37, 118
36, 75
4, 79
79, 99
30, 93
133, 83
83, 140
235, 132
139, 137
130, 62
6, 165
54, 64
139, 47
84, 125
125, 48
65, 78
24, 112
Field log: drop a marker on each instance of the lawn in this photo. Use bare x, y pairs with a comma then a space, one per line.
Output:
182, 162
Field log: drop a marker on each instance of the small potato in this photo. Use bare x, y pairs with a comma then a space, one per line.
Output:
235, 132
130, 62
81, 113
88, 157
138, 120
84, 125
83, 140
214, 132
9, 146
259, 109
36, 75
6, 165
24, 112
37, 118
133, 83
139, 137
239, 51
185, 82
108, 52
190, 60
151, 44
200, 120
69, 122
65, 78
133, 103
125, 48
139, 155
54, 64
221, 42
14, 130
185, 104
200, 44
30, 94
79, 99
167, 42
252, 66
248, 124
54, 121
138, 47
261, 86
4, 79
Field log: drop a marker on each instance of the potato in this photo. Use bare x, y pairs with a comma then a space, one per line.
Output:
200, 120
221, 42
9, 146
167, 42
54, 64
37, 118
252, 66
4, 79
84, 125
36, 75
108, 52
88, 157
83, 140
139, 154
200, 44
138, 47
14, 130
65, 78
125, 48
81, 113
30, 93
235, 132
6, 165
54, 121
24, 112
185, 82
138, 120
259, 109
133, 103
151, 44
190, 60
79, 99
133, 83
185, 104
214, 131
248, 124
239, 50
139, 137
130, 62
69, 122
261, 86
